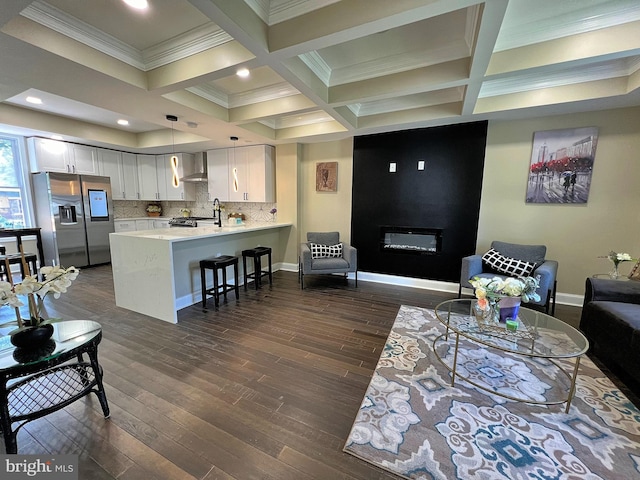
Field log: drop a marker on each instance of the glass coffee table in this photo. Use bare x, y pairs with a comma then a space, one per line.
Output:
533, 336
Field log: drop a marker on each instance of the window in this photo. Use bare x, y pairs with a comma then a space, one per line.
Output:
12, 191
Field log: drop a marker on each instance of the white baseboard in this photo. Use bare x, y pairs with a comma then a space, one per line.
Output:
437, 285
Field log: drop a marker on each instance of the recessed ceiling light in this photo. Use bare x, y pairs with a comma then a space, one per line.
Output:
243, 72
123, 122
139, 4
34, 100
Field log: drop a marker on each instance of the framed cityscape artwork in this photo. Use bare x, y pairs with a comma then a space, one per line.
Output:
561, 165
327, 177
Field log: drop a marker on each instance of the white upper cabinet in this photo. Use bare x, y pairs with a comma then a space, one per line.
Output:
133, 177
218, 174
130, 176
165, 174
47, 155
155, 177
110, 164
250, 173
261, 177
122, 169
83, 160
147, 177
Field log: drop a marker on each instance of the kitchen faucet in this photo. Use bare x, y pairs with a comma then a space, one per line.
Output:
216, 212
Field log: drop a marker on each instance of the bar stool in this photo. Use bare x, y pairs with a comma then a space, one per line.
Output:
16, 258
257, 274
218, 263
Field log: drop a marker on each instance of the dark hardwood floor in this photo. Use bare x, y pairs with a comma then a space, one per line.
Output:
265, 388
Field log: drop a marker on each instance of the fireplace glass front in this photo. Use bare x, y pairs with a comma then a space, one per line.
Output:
413, 240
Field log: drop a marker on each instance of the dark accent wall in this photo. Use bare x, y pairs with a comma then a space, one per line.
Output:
445, 195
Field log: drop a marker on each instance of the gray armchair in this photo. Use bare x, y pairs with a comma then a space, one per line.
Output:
546, 270
324, 259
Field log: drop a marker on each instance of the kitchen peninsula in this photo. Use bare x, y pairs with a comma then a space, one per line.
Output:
157, 272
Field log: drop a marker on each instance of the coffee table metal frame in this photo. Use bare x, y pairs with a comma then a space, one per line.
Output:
531, 333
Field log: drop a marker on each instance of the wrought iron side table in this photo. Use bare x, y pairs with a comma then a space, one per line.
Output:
37, 382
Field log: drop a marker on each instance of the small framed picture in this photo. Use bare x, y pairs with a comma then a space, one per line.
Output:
327, 177
635, 272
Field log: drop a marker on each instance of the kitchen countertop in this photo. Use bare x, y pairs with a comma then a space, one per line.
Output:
177, 234
156, 272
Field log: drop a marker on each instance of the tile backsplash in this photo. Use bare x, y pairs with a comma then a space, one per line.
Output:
202, 207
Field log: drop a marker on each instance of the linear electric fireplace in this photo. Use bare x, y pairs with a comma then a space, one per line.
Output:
412, 240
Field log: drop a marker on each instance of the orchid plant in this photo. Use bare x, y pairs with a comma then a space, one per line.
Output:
489, 290
56, 281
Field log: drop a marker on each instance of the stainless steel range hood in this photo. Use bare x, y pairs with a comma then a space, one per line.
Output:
201, 169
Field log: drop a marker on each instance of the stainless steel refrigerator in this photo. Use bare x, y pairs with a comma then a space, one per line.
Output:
75, 213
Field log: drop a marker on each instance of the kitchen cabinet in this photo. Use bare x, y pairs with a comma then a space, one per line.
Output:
147, 177
218, 174
124, 226
249, 173
144, 224
164, 172
155, 177
122, 169
110, 165
134, 224
161, 224
130, 176
46, 155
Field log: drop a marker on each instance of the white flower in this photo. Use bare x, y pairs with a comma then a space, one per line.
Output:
8, 296
493, 288
617, 258
56, 280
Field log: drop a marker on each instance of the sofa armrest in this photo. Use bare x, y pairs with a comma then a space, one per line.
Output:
471, 266
350, 254
305, 257
598, 289
547, 273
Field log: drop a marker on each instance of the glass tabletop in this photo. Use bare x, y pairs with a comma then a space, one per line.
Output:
537, 334
67, 335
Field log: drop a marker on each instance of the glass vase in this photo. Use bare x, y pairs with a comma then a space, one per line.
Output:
615, 273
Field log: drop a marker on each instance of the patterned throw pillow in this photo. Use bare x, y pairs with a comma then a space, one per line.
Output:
323, 251
507, 265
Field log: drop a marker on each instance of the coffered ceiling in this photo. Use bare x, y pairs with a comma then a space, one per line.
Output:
318, 69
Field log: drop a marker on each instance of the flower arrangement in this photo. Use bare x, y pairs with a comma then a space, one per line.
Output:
618, 258
154, 208
56, 281
489, 290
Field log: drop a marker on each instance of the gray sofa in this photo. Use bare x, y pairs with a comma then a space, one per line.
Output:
611, 321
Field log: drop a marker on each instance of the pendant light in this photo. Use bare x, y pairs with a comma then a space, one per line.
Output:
173, 161
234, 171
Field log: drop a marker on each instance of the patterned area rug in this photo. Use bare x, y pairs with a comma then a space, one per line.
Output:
414, 424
